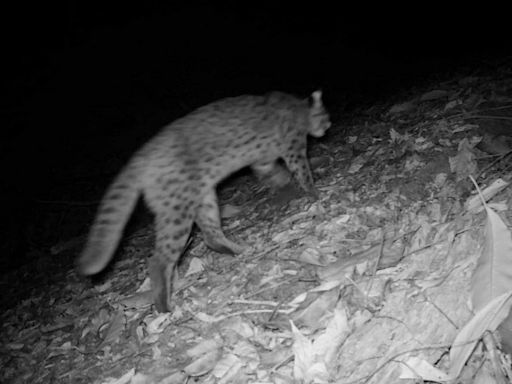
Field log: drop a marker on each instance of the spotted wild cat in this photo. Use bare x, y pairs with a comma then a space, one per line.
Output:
177, 172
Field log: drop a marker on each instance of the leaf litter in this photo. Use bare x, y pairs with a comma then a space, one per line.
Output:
369, 284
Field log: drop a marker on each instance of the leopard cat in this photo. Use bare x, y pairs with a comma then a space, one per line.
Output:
177, 172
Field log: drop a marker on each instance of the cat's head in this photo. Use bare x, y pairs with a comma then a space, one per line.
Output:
319, 120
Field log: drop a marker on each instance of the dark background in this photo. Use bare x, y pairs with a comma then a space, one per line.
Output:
85, 83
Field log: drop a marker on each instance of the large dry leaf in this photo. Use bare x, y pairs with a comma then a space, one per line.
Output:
488, 318
491, 290
493, 273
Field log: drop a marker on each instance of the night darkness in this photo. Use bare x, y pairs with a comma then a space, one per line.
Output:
86, 83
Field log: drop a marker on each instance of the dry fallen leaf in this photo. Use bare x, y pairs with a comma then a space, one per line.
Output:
307, 367
493, 272
159, 323
416, 368
228, 369
114, 329
404, 107
203, 347
228, 210
434, 95
203, 364
196, 265
487, 318
125, 379
315, 257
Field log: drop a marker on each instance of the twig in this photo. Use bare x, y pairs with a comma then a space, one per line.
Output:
376, 266
496, 108
500, 157
256, 293
248, 312
435, 243
276, 309
490, 344
289, 359
254, 302
437, 307
488, 117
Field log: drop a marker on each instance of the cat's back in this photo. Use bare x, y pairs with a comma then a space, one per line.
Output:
225, 113
222, 125
245, 112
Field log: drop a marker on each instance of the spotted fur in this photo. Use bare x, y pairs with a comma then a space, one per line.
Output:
178, 170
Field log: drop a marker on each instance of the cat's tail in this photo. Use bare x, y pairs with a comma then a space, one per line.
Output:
113, 214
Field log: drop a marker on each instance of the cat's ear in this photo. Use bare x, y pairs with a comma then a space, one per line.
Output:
316, 99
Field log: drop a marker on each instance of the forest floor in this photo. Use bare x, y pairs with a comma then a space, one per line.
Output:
370, 282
